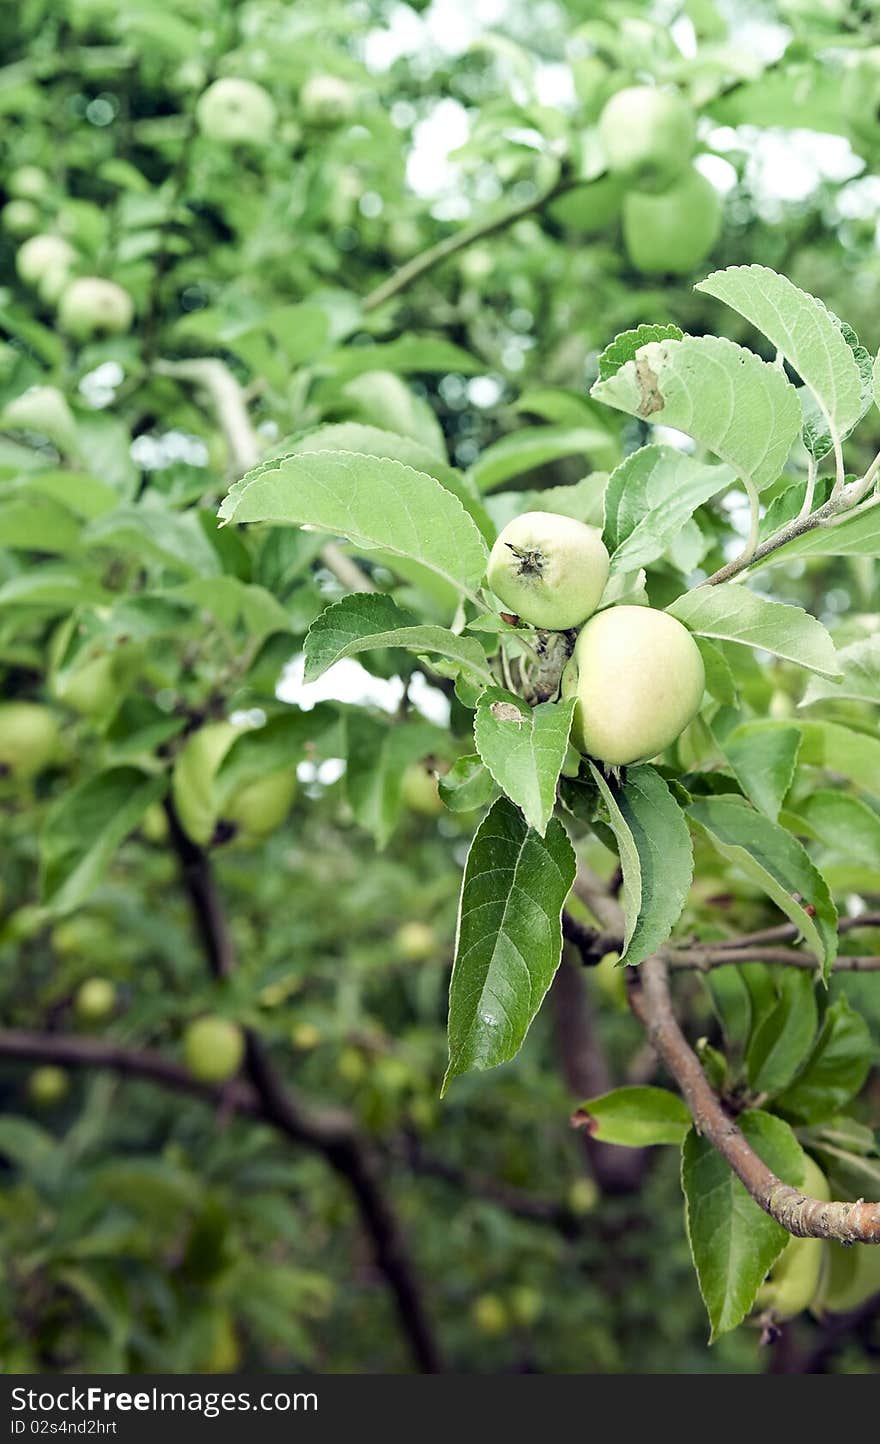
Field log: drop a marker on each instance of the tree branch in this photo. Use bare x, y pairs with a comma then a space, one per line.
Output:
419, 266
336, 1139
704, 959
805, 1217
835, 510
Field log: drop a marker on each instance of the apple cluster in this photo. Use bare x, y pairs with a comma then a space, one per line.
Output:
636, 673
671, 214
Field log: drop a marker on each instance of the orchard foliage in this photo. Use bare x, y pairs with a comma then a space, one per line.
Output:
577, 459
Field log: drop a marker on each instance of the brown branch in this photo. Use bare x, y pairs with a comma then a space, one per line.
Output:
425, 261
805, 1217
336, 1139
704, 959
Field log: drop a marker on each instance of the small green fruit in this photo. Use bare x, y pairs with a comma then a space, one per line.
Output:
47, 1086
21, 218
672, 233
419, 792
28, 738
638, 678
90, 689
327, 100
236, 112
95, 1000
351, 1065
794, 1279
648, 135
415, 942
526, 1305
259, 807
550, 570
44, 254
91, 306
255, 809
590, 209
214, 1049
582, 1196
44, 410
490, 1316
29, 182
305, 1036
853, 1277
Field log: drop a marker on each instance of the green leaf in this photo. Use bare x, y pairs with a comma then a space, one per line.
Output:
624, 347
509, 938
656, 858
83, 829
650, 497
377, 504
852, 536
875, 379
842, 751
844, 825
803, 330
363, 622
534, 446
764, 759
741, 408
731, 613
152, 531
835, 1070
734, 1243
371, 441
777, 862
234, 602
281, 742
859, 679
383, 400
410, 353
637, 1117
720, 681
467, 785
37, 523
378, 754
524, 748
782, 1040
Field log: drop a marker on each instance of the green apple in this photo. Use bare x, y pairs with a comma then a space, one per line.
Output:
648, 135
418, 791
43, 409
213, 1048
305, 1036
490, 1316
91, 306
44, 255
95, 1000
236, 112
90, 689
351, 1065
327, 100
590, 209
415, 942
860, 93
29, 183
582, 1196
638, 678
21, 218
48, 1085
550, 570
671, 233
28, 738
853, 1277
258, 808
222, 1353
154, 825
794, 1280
526, 1305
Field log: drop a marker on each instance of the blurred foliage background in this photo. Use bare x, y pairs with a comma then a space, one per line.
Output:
140, 1229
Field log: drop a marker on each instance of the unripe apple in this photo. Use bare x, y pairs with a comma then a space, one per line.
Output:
638, 678
415, 942
90, 689
853, 1277
47, 1086
223, 1352
259, 807
236, 112
327, 100
213, 1048
154, 824
673, 232
648, 135
95, 1000
43, 254
490, 1316
29, 182
351, 1065
21, 218
43, 409
28, 738
305, 1036
91, 306
794, 1279
526, 1305
418, 791
592, 208
582, 1196
550, 570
